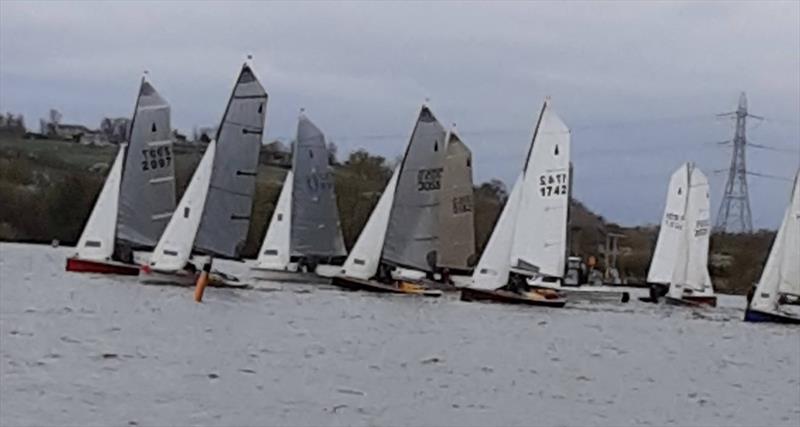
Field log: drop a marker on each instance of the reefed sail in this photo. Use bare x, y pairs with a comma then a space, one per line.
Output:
226, 217
315, 227
412, 238
456, 217
147, 192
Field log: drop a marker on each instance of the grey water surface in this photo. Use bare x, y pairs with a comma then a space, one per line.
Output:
81, 349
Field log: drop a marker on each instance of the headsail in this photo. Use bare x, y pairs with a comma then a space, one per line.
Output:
493, 268
275, 251
782, 271
365, 256
540, 235
174, 248
226, 217
413, 233
670, 234
456, 220
97, 239
314, 216
147, 195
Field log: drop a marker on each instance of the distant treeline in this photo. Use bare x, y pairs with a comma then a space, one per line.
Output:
48, 188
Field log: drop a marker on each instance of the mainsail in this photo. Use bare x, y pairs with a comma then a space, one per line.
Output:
782, 271
530, 235
540, 235
226, 217
315, 227
97, 239
413, 229
456, 218
147, 192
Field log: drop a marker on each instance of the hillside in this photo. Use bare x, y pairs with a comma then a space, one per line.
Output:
47, 189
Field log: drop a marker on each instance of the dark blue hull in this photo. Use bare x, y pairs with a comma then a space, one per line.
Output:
751, 315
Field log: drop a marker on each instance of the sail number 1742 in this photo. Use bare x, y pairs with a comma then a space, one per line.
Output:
553, 184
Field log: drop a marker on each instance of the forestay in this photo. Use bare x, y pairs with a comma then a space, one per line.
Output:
315, 227
365, 256
456, 220
175, 246
782, 271
147, 192
97, 240
540, 233
226, 217
275, 251
413, 230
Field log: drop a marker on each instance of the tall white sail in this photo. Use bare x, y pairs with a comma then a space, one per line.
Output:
670, 234
97, 240
174, 248
540, 235
782, 271
275, 251
493, 268
364, 258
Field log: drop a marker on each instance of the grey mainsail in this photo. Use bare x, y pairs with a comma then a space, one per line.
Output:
226, 216
456, 217
147, 189
413, 232
316, 230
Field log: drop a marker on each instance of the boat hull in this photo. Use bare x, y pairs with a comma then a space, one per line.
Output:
287, 276
185, 279
751, 315
353, 284
506, 297
693, 300
596, 295
79, 265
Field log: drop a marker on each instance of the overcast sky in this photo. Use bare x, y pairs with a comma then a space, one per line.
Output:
638, 82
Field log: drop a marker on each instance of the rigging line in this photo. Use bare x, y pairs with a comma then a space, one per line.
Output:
771, 148
768, 176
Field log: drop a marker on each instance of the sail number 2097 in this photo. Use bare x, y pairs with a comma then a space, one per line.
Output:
553, 184
155, 158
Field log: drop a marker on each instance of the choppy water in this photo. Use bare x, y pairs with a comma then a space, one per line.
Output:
79, 349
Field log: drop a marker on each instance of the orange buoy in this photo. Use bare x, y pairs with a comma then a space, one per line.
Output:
202, 282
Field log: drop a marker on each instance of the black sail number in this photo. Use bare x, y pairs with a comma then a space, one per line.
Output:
553, 184
156, 158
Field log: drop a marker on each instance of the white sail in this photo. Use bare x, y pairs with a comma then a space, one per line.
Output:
97, 240
493, 268
670, 234
174, 248
540, 232
275, 251
364, 258
782, 271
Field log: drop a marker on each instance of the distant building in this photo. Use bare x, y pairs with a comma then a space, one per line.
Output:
115, 129
12, 124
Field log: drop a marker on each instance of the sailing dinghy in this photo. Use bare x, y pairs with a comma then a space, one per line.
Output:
138, 196
780, 280
527, 249
680, 259
304, 237
213, 215
398, 245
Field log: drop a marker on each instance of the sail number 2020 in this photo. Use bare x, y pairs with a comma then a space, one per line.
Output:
553, 184
155, 158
